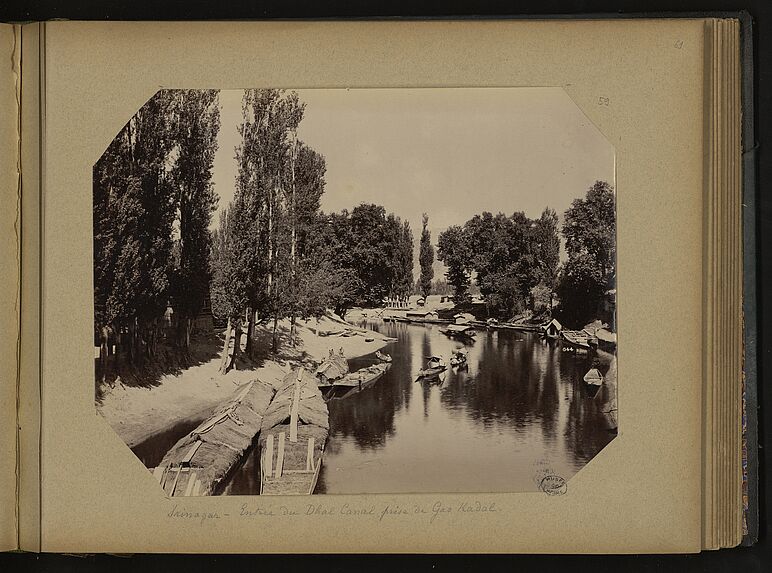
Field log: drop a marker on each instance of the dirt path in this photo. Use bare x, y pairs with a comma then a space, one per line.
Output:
137, 412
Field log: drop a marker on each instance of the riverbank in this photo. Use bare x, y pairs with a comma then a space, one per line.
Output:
137, 412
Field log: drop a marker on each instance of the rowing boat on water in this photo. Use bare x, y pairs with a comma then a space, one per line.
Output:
355, 381
458, 359
578, 339
382, 357
293, 436
593, 377
434, 368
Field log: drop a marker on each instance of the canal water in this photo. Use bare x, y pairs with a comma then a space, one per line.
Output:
520, 409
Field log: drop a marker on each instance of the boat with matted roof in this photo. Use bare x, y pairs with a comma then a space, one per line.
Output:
293, 436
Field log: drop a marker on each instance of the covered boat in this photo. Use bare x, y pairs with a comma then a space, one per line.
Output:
334, 367
461, 331
293, 436
463, 318
434, 368
201, 462
459, 358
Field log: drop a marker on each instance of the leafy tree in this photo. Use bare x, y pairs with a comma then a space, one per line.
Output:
198, 121
547, 249
403, 267
441, 286
454, 250
589, 230
135, 207
503, 260
266, 201
426, 258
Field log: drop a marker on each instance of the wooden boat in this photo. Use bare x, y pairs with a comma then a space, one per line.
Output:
461, 331
201, 462
434, 368
334, 367
593, 377
382, 357
355, 382
293, 436
458, 359
521, 327
578, 339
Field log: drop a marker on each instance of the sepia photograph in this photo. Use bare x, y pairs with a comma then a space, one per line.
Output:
357, 291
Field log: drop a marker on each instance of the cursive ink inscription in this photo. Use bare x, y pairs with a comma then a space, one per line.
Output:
200, 516
429, 512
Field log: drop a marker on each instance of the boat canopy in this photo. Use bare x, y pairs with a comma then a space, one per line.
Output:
459, 328
463, 317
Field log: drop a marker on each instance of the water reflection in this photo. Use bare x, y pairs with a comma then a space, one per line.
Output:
519, 405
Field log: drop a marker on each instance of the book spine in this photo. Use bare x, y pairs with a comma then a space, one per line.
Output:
9, 281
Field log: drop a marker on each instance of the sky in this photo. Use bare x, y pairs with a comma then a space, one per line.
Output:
449, 152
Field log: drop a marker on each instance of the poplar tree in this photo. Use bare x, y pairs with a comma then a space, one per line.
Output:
426, 258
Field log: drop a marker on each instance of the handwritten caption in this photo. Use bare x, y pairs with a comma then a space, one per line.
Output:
377, 512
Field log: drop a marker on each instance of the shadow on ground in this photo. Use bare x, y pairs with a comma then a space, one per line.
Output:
168, 360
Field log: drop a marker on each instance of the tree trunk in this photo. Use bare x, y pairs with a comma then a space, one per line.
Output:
224, 361
250, 333
237, 340
132, 342
275, 344
270, 244
293, 289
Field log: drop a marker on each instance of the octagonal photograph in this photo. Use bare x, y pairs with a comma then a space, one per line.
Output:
357, 291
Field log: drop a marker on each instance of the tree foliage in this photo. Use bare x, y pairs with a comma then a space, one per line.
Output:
152, 204
589, 229
426, 258
453, 248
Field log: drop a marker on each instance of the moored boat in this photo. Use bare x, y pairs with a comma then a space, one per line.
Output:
578, 339
382, 356
201, 462
334, 367
356, 381
460, 331
293, 436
